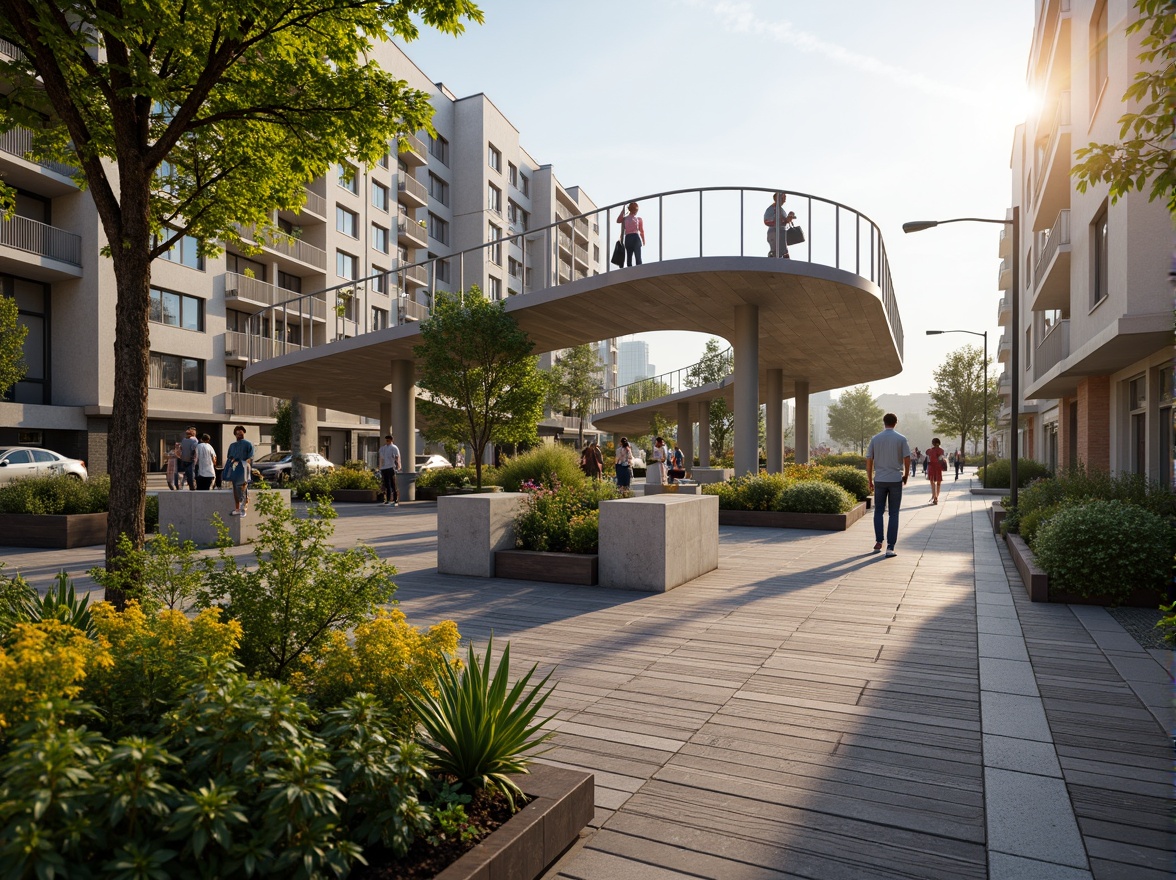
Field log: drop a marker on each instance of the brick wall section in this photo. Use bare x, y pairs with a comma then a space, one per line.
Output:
1031, 436
1065, 406
97, 461
1094, 422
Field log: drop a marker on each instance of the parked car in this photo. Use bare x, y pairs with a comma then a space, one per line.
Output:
26, 461
431, 461
275, 467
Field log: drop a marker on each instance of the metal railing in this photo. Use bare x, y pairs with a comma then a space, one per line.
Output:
19, 142
1059, 235
315, 204
644, 390
262, 292
411, 229
415, 145
412, 311
1061, 118
41, 239
680, 224
409, 184
1053, 349
295, 248
241, 403
11, 51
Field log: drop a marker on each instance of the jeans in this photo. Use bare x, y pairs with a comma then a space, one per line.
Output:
885, 493
633, 248
624, 476
388, 480
187, 474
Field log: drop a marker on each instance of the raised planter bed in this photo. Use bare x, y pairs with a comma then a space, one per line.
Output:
1036, 582
996, 515
353, 496
426, 493
554, 568
538, 834
772, 519
52, 531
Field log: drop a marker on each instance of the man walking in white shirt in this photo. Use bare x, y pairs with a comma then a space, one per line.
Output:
389, 464
889, 459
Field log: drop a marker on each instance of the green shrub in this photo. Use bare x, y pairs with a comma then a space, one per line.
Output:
453, 478
56, 495
1105, 547
354, 464
850, 479
847, 459
584, 533
301, 588
546, 465
1029, 524
998, 474
1167, 623
479, 727
151, 514
728, 495
814, 496
321, 485
1080, 483
545, 523
164, 572
749, 492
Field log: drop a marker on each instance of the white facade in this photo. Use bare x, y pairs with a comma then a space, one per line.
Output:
634, 362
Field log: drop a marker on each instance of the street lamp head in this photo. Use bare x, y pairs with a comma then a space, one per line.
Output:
935, 332
919, 225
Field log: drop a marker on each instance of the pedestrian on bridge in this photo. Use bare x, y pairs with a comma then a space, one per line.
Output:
633, 229
776, 218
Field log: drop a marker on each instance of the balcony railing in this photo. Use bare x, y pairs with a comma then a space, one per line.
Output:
1053, 349
410, 310
1004, 276
408, 228
242, 287
1059, 236
241, 403
1060, 120
19, 142
413, 187
315, 204
9, 49
41, 239
295, 248
664, 385
415, 145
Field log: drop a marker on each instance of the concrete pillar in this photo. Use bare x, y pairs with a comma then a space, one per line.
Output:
803, 440
774, 421
704, 434
746, 390
385, 419
686, 434
303, 437
403, 420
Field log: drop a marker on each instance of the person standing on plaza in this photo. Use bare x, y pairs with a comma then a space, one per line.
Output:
889, 459
459, 459
656, 472
173, 466
205, 464
936, 468
776, 218
633, 230
188, 458
624, 465
238, 464
960, 461
389, 465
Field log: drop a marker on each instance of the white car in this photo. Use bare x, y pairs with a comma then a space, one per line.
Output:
26, 461
275, 467
432, 462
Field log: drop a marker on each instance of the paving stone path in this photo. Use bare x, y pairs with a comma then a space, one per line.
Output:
811, 709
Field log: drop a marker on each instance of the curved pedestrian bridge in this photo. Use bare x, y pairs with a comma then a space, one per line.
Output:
826, 318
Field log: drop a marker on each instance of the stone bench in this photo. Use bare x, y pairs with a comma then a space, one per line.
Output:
659, 542
672, 489
471, 528
191, 513
711, 475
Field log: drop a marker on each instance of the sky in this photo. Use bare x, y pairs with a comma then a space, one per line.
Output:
903, 110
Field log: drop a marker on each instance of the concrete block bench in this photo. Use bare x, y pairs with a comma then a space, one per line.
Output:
191, 513
658, 542
711, 475
470, 528
672, 488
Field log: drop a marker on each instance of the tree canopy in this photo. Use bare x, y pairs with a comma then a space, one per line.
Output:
483, 384
957, 397
855, 417
1146, 136
12, 337
199, 119
577, 377
713, 366
645, 389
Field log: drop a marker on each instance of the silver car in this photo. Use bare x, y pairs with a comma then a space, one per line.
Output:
275, 467
17, 462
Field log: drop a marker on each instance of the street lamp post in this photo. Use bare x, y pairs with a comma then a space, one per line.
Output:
983, 479
1014, 330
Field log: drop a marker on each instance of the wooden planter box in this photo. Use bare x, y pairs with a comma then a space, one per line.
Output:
771, 519
554, 568
1036, 582
58, 532
535, 837
364, 496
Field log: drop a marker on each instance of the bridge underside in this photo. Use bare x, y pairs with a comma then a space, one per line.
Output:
817, 325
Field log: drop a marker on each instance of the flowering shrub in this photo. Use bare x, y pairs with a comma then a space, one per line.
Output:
546, 521
47, 660
584, 533
452, 478
548, 465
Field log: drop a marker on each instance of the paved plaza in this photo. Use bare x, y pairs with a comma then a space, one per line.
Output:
811, 709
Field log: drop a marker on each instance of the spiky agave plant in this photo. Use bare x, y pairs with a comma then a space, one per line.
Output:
478, 728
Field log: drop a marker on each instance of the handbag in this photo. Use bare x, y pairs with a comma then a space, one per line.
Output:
793, 234
618, 257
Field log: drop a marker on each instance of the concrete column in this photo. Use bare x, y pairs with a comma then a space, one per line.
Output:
803, 440
686, 434
704, 434
403, 420
774, 421
746, 389
302, 436
385, 419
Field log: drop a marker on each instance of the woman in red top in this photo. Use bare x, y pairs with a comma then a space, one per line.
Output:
633, 230
936, 465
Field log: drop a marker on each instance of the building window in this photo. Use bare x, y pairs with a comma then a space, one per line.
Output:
494, 234
438, 228
1137, 403
438, 189
286, 281
1167, 438
186, 252
494, 199
379, 318
495, 288
513, 267
176, 309
347, 222
349, 178
345, 265
379, 282
517, 216
1100, 286
494, 157
245, 266
1098, 62
379, 196
175, 373
1028, 347
512, 174
380, 238
439, 148
525, 185
383, 160
442, 270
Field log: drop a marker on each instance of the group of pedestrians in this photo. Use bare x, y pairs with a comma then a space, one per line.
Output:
193, 462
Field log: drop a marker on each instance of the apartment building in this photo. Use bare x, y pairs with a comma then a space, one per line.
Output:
470, 183
1095, 303
634, 362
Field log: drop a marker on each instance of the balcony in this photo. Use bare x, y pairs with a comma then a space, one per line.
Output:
250, 295
1005, 248
240, 403
19, 143
580, 227
1053, 349
304, 255
1052, 167
41, 239
410, 310
565, 243
411, 231
1004, 276
1003, 311
581, 254
1004, 387
410, 192
1051, 276
315, 204
412, 150
8, 49
1003, 349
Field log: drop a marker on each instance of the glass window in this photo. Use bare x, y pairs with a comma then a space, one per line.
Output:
438, 228
1138, 392
346, 222
176, 373
494, 199
512, 174
185, 252
524, 185
345, 265
286, 281
379, 318
439, 148
1098, 64
1101, 254
442, 270
438, 189
517, 216
493, 157
513, 267
349, 177
176, 309
19, 456
380, 238
495, 288
383, 161
245, 266
380, 282
494, 234
379, 196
